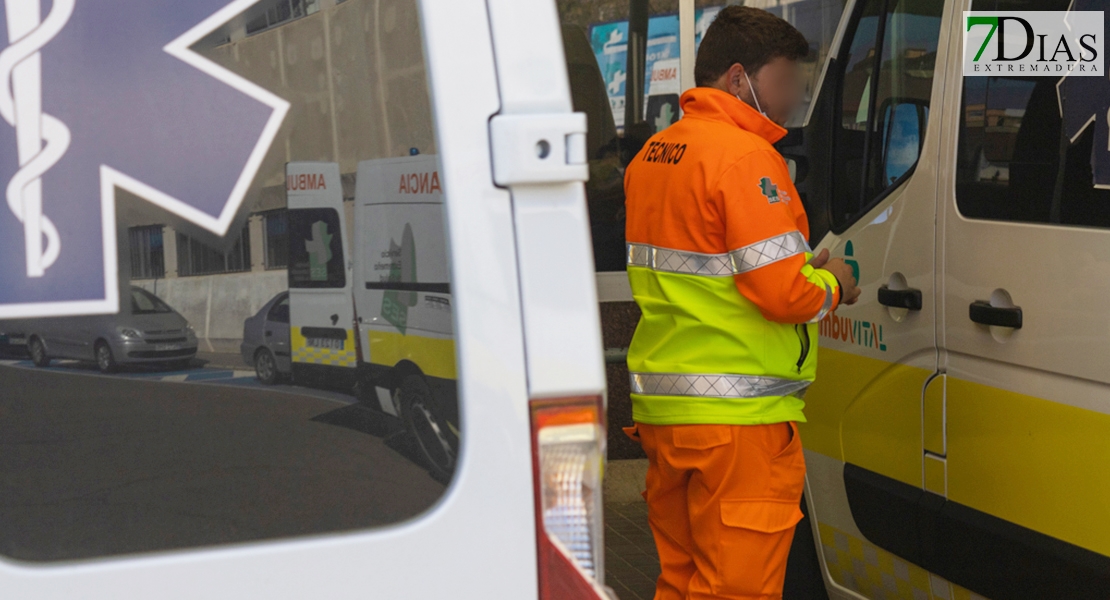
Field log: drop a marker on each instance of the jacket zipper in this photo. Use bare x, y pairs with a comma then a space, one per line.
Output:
803, 336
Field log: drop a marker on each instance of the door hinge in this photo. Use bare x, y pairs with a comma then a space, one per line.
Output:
538, 149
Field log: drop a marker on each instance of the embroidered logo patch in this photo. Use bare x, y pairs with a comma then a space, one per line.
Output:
770, 190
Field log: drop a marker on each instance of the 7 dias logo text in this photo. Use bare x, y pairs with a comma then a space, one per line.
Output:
1048, 43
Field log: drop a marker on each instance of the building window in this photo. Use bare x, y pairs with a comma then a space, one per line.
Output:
148, 257
277, 239
195, 258
281, 11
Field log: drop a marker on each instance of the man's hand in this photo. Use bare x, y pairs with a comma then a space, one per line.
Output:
849, 291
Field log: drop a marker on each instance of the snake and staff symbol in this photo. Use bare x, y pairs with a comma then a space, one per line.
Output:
41, 139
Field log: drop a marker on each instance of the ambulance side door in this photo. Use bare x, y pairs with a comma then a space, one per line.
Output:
1019, 478
872, 141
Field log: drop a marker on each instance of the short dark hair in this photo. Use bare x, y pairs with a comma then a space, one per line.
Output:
749, 36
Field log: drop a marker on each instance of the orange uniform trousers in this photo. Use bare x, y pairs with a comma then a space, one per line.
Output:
723, 501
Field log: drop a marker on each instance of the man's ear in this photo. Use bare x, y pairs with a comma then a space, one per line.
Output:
736, 83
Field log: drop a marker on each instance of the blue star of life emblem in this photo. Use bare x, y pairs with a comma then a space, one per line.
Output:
1085, 103
108, 95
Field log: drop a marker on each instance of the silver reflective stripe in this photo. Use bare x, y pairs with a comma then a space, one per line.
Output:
738, 261
771, 250
713, 386
826, 307
678, 261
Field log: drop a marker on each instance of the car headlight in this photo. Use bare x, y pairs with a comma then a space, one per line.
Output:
128, 333
189, 331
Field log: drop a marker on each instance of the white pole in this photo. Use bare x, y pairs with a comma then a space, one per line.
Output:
41, 140
686, 32
23, 17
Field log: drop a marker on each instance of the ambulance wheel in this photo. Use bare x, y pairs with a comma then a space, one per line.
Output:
38, 352
428, 429
804, 580
265, 367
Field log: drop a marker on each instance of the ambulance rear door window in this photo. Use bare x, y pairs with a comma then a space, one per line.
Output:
243, 397
315, 249
1015, 162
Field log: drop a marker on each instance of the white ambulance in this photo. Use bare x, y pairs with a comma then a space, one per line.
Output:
957, 433
962, 406
961, 411
377, 320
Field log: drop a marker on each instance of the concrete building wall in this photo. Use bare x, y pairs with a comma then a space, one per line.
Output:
217, 305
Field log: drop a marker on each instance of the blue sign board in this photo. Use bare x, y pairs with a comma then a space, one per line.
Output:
610, 46
106, 95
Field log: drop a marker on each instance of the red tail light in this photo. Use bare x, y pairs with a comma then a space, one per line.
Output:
568, 460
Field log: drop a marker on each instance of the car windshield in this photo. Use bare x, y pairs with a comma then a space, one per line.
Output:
144, 303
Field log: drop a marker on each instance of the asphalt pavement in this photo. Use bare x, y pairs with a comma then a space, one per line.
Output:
96, 465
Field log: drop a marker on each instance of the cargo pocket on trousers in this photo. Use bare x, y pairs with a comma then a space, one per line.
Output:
755, 541
700, 437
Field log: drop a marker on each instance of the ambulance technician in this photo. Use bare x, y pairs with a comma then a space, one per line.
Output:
731, 295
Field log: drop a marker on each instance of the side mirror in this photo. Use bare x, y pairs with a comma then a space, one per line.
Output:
903, 129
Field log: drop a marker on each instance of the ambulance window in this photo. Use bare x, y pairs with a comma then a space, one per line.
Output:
1015, 161
316, 249
273, 396
883, 101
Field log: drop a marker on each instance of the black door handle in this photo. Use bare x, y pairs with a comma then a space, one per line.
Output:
983, 313
269, 333
910, 298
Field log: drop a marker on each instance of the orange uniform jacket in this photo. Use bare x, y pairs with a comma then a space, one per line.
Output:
718, 253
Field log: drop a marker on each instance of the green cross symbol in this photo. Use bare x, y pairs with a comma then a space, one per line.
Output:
665, 118
770, 190
319, 251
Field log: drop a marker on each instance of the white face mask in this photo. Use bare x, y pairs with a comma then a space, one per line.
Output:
754, 97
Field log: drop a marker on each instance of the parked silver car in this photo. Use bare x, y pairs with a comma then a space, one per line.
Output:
146, 330
266, 340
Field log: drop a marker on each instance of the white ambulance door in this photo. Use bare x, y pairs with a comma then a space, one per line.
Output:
539, 153
322, 328
1026, 271
870, 173
208, 484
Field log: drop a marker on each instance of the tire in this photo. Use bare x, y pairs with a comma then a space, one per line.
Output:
803, 567
105, 361
427, 427
265, 366
37, 350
